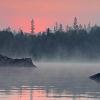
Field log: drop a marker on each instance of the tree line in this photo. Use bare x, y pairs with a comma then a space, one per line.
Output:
76, 42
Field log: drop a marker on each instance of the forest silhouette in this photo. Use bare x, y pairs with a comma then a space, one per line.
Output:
77, 41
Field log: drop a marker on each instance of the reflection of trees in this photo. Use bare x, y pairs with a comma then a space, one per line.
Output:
31, 94
56, 85
49, 92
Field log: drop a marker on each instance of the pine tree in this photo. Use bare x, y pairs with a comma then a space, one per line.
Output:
75, 24
60, 28
32, 26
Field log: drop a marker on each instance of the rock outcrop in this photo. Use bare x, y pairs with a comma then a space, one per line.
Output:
24, 62
95, 77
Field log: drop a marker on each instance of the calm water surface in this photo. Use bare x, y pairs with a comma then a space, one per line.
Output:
50, 81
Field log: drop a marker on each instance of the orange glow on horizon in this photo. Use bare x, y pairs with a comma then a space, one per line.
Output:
18, 13
33, 95
25, 24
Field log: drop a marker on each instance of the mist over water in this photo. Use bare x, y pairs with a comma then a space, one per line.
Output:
50, 81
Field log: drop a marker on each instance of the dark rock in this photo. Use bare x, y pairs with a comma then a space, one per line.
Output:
25, 62
95, 77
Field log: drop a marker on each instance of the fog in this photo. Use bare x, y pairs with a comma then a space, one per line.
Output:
60, 77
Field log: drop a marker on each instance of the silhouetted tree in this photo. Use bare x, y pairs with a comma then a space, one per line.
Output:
53, 44
32, 26
75, 24
60, 28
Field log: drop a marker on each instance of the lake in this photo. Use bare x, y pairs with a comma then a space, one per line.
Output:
50, 81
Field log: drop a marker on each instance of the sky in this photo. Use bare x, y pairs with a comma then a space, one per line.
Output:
18, 13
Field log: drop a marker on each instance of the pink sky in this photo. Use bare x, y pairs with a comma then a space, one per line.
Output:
18, 13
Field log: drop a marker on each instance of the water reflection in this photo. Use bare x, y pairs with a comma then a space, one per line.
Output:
42, 94
50, 81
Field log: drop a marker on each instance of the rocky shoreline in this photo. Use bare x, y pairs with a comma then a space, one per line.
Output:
24, 62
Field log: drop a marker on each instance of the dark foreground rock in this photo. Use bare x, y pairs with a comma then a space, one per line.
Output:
95, 77
25, 62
